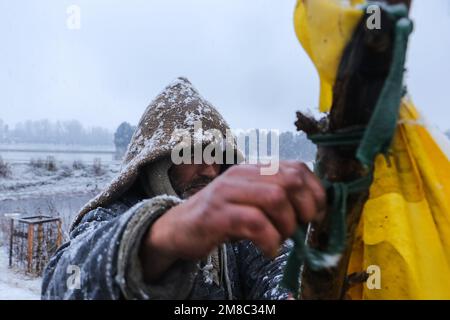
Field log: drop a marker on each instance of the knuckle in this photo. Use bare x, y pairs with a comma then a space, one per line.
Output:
218, 186
254, 222
235, 221
293, 178
295, 169
283, 170
276, 195
302, 167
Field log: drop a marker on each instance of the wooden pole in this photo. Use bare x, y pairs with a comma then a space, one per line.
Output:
11, 242
40, 239
363, 70
30, 247
59, 236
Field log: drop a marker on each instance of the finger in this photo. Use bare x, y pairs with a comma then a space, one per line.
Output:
303, 189
305, 205
313, 184
291, 175
269, 198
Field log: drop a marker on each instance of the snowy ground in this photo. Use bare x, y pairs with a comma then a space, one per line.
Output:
14, 285
29, 191
26, 181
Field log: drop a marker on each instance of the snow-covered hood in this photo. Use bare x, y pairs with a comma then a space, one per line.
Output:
178, 107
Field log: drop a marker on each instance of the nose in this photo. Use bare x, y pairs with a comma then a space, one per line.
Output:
210, 170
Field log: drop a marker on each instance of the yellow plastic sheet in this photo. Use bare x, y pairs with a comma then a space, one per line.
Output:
324, 27
405, 226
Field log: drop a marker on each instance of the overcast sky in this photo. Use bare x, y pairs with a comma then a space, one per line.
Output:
242, 55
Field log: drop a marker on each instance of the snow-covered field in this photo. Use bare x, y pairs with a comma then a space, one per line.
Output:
31, 190
26, 181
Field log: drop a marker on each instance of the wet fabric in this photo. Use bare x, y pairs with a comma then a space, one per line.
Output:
405, 225
107, 270
324, 27
404, 233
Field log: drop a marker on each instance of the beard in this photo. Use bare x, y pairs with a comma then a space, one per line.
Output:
193, 187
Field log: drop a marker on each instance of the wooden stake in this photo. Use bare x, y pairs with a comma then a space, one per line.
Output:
363, 70
30, 247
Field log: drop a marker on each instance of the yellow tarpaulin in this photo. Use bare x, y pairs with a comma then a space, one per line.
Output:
405, 226
324, 27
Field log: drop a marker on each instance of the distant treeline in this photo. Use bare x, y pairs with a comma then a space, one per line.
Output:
57, 132
291, 145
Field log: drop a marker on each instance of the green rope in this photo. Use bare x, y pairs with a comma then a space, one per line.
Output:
342, 138
381, 128
375, 139
315, 259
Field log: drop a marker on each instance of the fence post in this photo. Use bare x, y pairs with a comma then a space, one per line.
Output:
11, 235
30, 246
59, 237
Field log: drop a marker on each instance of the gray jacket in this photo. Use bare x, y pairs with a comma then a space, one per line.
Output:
100, 261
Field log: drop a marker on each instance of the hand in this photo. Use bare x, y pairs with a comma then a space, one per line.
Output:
239, 204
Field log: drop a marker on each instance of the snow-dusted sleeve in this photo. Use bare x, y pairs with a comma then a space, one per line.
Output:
260, 276
175, 283
100, 260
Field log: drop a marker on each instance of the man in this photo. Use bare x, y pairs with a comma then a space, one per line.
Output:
185, 231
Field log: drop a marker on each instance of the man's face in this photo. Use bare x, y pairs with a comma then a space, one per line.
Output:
188, 179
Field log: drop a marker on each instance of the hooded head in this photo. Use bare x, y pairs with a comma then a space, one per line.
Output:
176, 121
